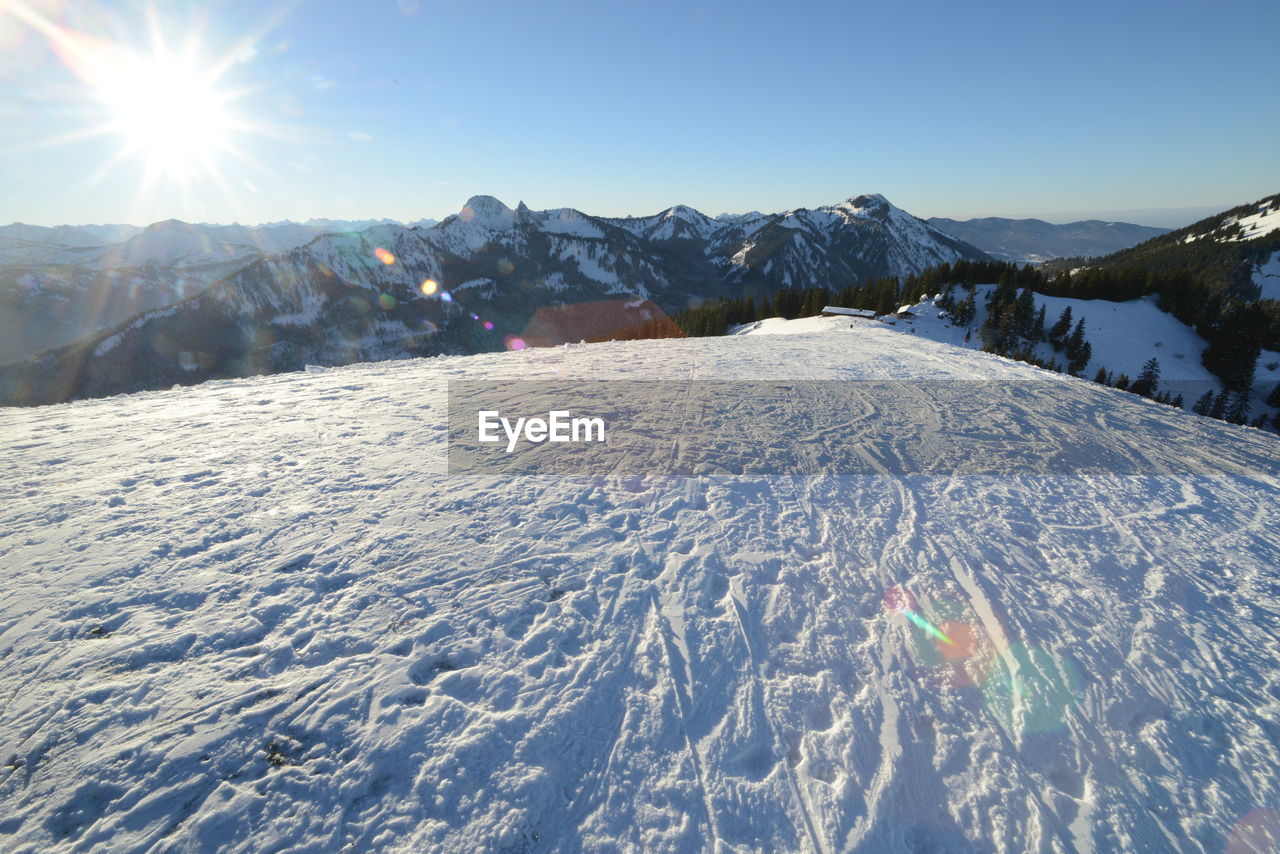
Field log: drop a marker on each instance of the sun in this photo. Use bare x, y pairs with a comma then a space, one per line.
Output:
168, 111
168, 103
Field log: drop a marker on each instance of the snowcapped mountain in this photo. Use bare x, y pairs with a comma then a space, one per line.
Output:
1033, 240
54, 294
17, 234
352, 296
261, 615
675, 223
173, 243
59, 284
750, 216
168, 243
851, 242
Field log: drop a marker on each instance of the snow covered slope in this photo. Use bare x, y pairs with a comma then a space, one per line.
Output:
258, 615
1246, 223
1123, 336
1267, 277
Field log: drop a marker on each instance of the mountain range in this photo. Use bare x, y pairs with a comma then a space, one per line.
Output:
59, 284
1034, 241
177, 303
353, 296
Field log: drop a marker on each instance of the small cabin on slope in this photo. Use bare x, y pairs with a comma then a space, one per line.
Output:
837, 311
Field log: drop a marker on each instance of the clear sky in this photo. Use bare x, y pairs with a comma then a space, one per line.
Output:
258, 110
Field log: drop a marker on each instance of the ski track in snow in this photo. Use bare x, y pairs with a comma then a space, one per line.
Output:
258, 615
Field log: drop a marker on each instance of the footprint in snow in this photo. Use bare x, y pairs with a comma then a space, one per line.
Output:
427, 669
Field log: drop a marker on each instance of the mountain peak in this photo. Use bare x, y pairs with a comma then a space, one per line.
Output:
487, 210
682, 212
168, 224
486, 204
868, 201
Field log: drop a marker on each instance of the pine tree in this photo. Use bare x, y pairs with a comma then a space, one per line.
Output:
1123, 382
1079, 351
1037, 328
1273, 399
1204, 405
1149, 380
1058, 333
788, 303
1101, 377
1234, 345
966, 310
1238, 409
947, 301
1083, 356
1219, 410
1024, 314
810, 306
1076, 341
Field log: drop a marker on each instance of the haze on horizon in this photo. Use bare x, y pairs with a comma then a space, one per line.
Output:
243, 112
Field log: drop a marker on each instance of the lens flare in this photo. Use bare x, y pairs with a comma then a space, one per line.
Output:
929, 628
950, 642
488, 324
505, 267
896, 598
1256, 831
428, 287
445, 296
962, 640
387, 301
901, 601
514, 342
384, 256
1029, 689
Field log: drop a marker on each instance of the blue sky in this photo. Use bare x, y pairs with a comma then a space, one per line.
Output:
405, 109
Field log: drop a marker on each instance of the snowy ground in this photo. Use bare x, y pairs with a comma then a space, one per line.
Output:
1123, 335
259, 616
1267, 277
